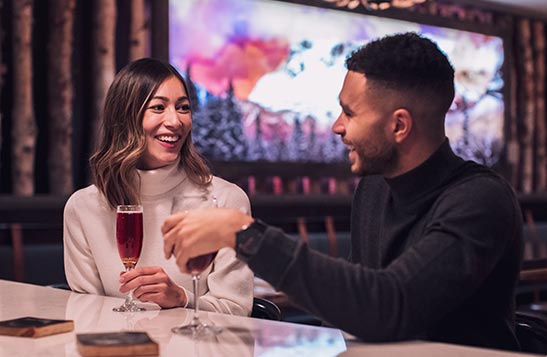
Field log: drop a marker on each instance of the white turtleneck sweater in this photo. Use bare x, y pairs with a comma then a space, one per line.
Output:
92, 263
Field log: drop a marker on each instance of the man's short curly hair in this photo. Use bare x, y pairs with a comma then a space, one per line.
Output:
407, 63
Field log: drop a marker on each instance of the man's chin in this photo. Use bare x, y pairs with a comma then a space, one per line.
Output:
360, 171
356, 169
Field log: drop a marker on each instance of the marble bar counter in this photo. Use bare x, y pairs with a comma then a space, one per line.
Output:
242, 336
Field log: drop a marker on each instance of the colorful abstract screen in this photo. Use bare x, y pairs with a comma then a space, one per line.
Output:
265, 77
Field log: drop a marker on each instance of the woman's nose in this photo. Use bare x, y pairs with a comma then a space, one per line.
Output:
172, 118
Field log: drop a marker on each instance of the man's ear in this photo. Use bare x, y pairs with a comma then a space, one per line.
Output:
403, 122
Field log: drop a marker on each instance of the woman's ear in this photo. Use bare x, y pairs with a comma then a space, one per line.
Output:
402, 124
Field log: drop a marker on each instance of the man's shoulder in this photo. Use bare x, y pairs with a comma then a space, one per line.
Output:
477, 178
480, 188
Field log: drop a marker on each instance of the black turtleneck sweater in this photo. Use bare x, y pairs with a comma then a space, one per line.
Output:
435, 256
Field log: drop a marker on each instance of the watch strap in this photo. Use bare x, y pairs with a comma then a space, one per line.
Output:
249, 239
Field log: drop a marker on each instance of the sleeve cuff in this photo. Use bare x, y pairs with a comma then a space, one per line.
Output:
274, 256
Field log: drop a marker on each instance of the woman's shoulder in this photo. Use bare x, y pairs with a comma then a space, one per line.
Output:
88, 198
84, 193
224, 185
230, 194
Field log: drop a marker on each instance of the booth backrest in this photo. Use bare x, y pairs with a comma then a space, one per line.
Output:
31, 229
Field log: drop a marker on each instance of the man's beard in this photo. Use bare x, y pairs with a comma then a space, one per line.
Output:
378, 163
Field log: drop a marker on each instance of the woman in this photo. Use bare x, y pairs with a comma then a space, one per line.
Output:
146, 156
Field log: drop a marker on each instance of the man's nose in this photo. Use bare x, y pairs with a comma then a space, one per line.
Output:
338, 126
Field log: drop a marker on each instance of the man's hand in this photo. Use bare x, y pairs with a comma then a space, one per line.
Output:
192, 233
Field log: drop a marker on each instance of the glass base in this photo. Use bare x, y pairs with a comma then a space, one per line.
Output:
198, 329
128, 307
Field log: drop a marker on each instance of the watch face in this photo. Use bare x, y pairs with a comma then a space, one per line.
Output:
248, 240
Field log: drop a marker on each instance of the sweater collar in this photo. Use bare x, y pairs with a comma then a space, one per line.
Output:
427, 177
159, 181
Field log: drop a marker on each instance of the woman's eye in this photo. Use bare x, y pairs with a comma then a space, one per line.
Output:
157, 107
184, 107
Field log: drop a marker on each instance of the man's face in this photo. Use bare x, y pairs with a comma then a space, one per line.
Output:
364, 127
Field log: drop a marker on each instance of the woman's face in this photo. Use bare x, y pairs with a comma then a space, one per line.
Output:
167, 122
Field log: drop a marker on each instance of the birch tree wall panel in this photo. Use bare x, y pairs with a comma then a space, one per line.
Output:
24, 126
60, 94
541, 144
138, 31
104, 58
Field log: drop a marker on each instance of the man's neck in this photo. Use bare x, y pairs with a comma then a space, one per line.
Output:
412, 154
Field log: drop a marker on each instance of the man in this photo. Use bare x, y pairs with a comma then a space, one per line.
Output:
436, 240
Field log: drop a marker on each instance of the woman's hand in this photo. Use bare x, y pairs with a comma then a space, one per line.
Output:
152, 284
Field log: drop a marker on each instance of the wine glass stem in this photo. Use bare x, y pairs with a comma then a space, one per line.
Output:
195, 281
129, 298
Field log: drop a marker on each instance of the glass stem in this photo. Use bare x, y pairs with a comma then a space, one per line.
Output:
195, 281
129, 298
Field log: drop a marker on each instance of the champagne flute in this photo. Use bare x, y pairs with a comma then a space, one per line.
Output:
196, 265
129, 232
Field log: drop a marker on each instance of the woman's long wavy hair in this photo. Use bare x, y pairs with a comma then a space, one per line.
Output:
122, 139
